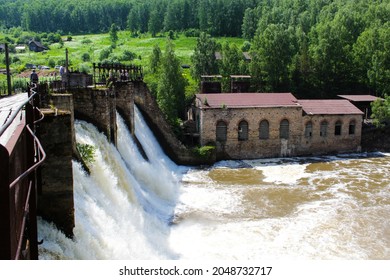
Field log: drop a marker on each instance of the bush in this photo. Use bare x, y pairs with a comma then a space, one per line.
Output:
84, 68
105, 53
204, 151
246, 46
15, 59
86, 41
87, 152
51, 63
192, 32
85, 57
128, 55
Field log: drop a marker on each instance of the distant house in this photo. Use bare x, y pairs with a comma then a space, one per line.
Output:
36, 46
247, 56
20, 48
363, 102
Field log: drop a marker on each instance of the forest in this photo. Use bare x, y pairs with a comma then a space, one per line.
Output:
317, 48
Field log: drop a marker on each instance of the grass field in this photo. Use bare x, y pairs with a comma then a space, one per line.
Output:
92, 45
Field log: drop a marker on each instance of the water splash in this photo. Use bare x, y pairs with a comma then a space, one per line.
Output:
122, 212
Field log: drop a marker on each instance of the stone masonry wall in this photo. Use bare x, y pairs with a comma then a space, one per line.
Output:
162, 130
331, 143
254, 147
124, 100
96, 106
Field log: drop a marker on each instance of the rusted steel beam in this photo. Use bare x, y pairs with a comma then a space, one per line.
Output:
5, 215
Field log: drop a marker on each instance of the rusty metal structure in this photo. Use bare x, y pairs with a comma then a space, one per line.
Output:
20, 159
104, 73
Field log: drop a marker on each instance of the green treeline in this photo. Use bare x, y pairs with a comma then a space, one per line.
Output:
218, 17
309, 47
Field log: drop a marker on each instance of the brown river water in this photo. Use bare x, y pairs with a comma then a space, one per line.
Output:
335, 207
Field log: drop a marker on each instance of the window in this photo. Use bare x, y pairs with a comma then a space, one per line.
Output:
337, 128
352, 127
243, 131
324, 129
308, 129
221, 131
264, 129
284, 129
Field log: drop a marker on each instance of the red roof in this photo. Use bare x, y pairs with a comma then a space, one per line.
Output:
245, 100
359, 98
329, 107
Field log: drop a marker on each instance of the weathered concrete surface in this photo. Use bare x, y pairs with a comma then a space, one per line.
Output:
162, 130
124, 101
55, 200
96, 106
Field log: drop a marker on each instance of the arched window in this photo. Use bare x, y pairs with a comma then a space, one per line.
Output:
284, 129
243, 131
337, 128
324, 129
308, 129
264, 129
221, 132
352, 126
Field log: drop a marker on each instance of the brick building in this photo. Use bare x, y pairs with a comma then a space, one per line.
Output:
257, 125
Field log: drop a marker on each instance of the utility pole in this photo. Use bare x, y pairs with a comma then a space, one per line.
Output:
7, 67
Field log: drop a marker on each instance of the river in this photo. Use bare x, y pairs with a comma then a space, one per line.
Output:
312, 208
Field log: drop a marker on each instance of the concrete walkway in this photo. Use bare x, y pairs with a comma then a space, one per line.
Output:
7, 106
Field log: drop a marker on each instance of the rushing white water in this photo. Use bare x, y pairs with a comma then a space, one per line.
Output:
298, 208
123, 209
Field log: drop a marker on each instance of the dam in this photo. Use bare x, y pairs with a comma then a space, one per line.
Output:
146, 202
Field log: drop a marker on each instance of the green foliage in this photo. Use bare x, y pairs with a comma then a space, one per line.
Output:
85, 57
381, 111
246, 46
105, 53
128, 55
204, 152
51, 63
203, 60
87, 152
113, 33
311, 48
86, 41
171, 86
85, 68
155, 59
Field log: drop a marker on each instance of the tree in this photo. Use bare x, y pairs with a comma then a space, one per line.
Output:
155, 59
154, 24
249, 23
203, 59
231, 63
381, 111
113, 33
171, 86
133, 20
372, 58
273, 51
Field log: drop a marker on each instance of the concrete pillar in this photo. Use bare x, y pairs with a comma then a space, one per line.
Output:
55, 200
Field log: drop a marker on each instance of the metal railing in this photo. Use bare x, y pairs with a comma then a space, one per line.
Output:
19, 177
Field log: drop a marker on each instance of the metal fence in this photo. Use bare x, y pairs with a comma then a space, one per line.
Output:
20, 160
